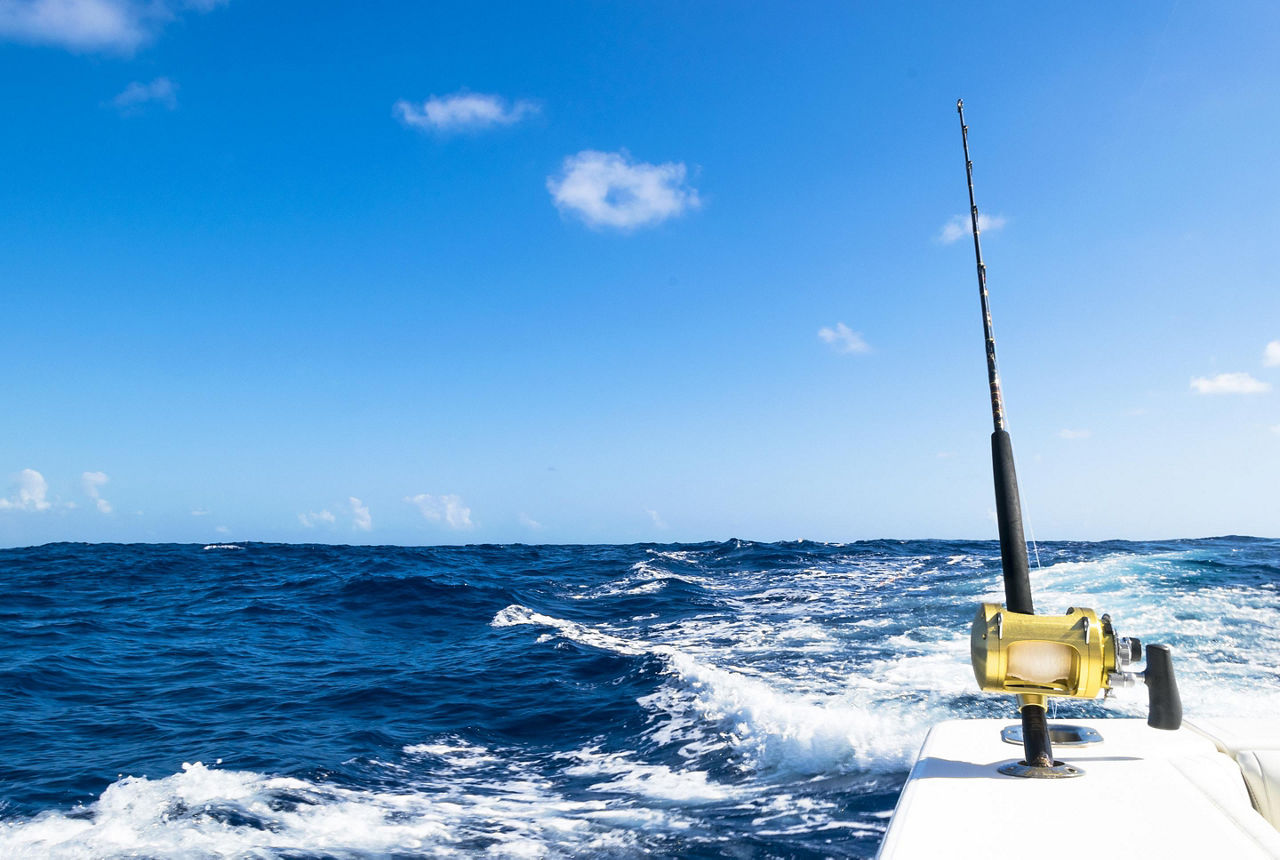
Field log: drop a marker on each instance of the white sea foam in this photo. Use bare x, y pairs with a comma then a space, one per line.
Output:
187, 815
770, 728
764, 724
628, 775
515, 614
210, 813
457, 753
223, 546
684, 556
644, 580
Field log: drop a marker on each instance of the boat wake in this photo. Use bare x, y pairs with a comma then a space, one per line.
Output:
544, 701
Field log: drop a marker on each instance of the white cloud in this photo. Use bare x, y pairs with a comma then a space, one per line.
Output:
1271, 355
93, 483
78, 24
607, 189
1275, 428
91, 25
311, 519
1074, 434
961, 226
842, 339
449, 508
463, 112
658, 521
360, 515
32, 490
137, 95
1229, 383
199, 512
529, 522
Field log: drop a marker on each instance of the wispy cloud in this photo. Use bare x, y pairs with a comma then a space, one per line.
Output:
463, 112
1229, 383
360, 515
200, 512
1271, 355
608, 189
93, 483
137, 96
449, 508
529, 522
30, 493
1074, 434
961, 226
119, 26
658, 521
311, 519
843, 339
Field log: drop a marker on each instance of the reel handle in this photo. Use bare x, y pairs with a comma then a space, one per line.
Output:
1164, 708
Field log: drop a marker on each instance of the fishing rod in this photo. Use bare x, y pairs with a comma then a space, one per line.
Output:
1013, 544
1013, 650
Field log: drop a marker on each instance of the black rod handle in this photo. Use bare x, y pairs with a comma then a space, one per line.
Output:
1013, 545
1164, 710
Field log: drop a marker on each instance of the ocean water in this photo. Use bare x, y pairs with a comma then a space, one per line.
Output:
728, 699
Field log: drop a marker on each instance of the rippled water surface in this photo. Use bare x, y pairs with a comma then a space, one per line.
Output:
710, 700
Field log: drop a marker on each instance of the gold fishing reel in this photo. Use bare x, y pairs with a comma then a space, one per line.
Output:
1077, 655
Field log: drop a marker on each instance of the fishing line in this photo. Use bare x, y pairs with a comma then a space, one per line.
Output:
1035, 550
1026, 513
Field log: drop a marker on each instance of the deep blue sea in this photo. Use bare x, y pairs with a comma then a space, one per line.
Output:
728, 699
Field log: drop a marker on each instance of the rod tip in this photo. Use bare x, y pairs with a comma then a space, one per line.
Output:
959, 104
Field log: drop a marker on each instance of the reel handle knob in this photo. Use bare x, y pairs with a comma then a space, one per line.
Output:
1164, 709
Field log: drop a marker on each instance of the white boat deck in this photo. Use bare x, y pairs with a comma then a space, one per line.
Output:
1145, 794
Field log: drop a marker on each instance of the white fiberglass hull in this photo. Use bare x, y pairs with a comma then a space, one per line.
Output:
1145, 794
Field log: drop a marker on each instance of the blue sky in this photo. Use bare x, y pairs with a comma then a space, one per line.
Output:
452, 273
